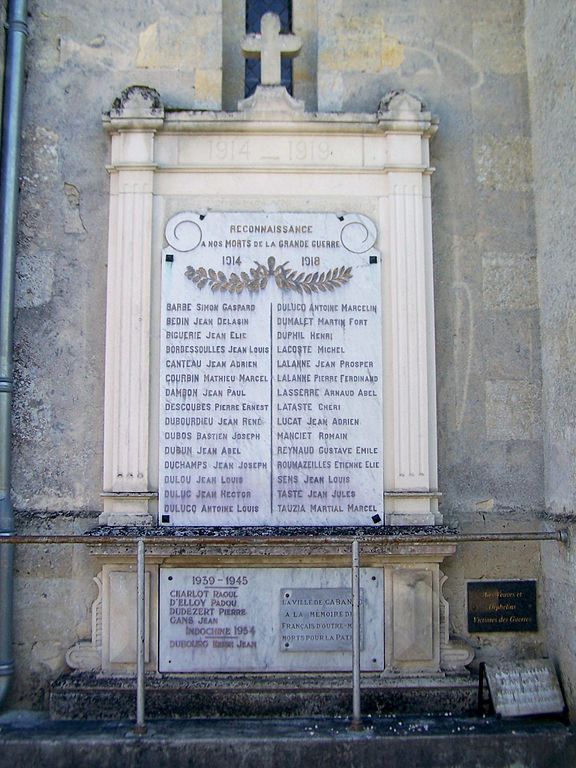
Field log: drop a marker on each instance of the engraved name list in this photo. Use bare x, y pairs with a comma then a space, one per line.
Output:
270, 370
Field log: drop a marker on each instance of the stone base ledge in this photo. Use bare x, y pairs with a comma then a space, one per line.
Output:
92, 696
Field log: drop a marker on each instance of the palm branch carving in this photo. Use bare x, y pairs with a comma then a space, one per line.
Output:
256, 279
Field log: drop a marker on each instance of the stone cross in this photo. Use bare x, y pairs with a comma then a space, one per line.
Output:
270, 46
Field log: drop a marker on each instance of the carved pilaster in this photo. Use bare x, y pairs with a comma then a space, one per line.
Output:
133, 123
412, 619
411, 474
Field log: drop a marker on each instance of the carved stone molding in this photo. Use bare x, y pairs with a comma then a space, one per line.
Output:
138, 101
455, 653
86, 655
271, 100
400, 110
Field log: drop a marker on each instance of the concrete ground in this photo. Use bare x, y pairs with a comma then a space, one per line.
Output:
31, 739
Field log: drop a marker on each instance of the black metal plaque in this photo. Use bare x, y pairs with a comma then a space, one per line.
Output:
502, 606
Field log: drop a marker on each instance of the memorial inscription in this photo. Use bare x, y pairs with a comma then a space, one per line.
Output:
246, 619
502, 606
271, 380
527, 687
316, 619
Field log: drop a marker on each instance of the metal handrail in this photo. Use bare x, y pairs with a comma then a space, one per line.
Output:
408, 538
141, 541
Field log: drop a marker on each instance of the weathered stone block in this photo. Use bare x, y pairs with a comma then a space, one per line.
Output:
509, 281
512, 410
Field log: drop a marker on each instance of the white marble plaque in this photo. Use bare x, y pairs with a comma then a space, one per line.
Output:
239, 619
526, 687
317, 619
271, 379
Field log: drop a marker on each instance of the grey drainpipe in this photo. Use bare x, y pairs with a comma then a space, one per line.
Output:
17, 31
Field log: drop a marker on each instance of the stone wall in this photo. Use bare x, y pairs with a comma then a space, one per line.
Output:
79, 59
467, 61
551, 40
78, 63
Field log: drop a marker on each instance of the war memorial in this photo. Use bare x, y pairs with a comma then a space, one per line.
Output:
290, 327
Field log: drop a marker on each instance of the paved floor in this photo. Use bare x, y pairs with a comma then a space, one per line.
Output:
31, 739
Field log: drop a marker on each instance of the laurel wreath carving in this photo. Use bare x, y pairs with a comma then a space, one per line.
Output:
256, 279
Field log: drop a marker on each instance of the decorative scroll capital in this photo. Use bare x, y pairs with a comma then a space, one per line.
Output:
138, 101
402, 111
400, 101
137, 107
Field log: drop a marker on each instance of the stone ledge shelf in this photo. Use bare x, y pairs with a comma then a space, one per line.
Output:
327, 540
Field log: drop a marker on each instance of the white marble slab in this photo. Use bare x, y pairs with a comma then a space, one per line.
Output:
267, 619
524, 687
317, 619
271, 375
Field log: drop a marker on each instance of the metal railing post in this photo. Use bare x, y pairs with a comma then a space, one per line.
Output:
140, 638
356, 724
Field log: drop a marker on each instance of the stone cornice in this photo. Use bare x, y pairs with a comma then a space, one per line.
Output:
272, 111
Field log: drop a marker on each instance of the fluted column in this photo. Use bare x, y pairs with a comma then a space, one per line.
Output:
127, 492
410, 421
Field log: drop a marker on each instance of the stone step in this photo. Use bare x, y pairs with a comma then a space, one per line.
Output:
393, 742
91, 696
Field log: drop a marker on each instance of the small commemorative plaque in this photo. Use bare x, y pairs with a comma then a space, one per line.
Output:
502, 606
524, 688
317, 619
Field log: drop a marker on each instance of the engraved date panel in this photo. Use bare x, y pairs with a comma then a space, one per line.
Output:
266, 151
267, 619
